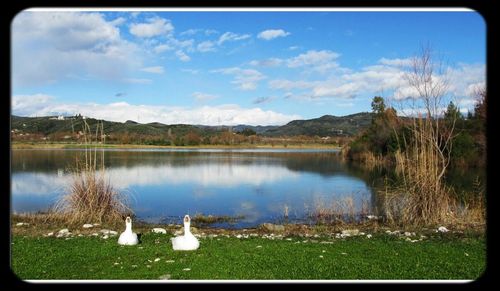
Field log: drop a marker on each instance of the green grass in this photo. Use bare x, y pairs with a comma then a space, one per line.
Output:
381, 257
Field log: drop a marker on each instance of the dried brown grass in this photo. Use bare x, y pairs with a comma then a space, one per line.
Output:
91, 198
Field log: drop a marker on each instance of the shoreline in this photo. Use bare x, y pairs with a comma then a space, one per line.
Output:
16, 145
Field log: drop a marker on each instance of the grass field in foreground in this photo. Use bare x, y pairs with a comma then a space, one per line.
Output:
379, 257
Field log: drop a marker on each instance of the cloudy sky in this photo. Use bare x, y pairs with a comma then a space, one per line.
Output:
232, 67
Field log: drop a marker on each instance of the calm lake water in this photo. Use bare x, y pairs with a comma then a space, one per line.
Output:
163, 185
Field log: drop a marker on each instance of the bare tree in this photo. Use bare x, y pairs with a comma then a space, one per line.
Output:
427, 150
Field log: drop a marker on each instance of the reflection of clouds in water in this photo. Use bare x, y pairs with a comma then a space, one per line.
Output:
205, 175
38, 184
221, 175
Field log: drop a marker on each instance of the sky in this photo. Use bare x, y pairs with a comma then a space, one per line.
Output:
233, 67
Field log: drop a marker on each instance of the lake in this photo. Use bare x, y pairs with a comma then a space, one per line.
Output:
164, 184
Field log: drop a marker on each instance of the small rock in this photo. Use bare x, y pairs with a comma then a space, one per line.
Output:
96, 224
442, 229
273, 227
149, 266
239, 236
159, 230
323, 251
157, 259
259, 247
22, 224
50, 234
88, 225
321, 256
116, 264
63, 231
165, 277
134, 266
105, 236
343, 253
169, 261
466, 254
350, 232
368, 235
108, 232
186, 269
95, 234
80, 235
407, 233
326, 242
372, 217
289, 239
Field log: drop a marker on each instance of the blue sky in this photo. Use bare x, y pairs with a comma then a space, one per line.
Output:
232, 67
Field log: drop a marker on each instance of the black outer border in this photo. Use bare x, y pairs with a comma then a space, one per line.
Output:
484, 7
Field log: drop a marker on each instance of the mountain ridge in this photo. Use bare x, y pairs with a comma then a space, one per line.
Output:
326, 125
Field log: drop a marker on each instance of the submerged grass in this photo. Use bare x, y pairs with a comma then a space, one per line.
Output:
211, 219
381, 257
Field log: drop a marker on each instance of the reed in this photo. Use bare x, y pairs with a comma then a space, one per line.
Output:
91, 198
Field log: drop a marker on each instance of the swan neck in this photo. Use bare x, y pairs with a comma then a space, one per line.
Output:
186, 227
128, 226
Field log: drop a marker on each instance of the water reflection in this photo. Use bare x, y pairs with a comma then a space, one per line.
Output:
163, 184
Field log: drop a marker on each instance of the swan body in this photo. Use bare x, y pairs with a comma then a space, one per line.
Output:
128, 237
186, 242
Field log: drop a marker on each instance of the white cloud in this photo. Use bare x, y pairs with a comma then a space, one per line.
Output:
320, 61
182, 56
206, 46
25, 105
230, 36
261, 100
191, 71
161, 48
271, 62
154, 70
183, 44
121, 111
289, 85
396, 62
246, 79
203, 96
119, 21
50, 46
137, 81
195, 31
272, 33
154, 27
190, 31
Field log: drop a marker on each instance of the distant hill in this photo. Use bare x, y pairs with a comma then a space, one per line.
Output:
50, 124
327, 125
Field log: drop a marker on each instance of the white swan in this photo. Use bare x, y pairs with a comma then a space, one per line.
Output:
186, 242
128, 237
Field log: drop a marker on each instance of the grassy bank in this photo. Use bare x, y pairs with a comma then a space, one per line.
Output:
19, 145
383, 256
